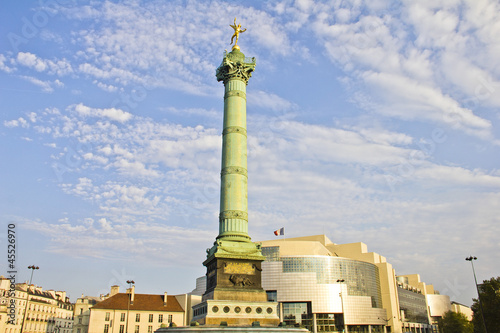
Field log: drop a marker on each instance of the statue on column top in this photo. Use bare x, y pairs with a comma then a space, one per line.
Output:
237, 30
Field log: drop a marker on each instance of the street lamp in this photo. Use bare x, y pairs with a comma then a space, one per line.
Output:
130, 283
342, 303
32, 267
471, 259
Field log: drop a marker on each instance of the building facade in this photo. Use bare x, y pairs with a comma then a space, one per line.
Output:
32, 309
330, 287
413, 304
139, 313
460, 308
321, 291
82, 313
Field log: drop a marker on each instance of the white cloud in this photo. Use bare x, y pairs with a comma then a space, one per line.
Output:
111, 113
16, 122
3, 66
134, 168
58, 67
106, 239
47, 86
333, 145
410, 69
411, 100
458, 176
106, 87
198, 112
271, 101
30, 60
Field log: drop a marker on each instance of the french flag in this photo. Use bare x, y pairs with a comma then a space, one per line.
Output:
280, 232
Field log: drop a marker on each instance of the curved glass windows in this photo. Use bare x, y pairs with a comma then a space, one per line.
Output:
361, 278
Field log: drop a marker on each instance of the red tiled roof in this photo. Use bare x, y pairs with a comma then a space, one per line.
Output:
141, 302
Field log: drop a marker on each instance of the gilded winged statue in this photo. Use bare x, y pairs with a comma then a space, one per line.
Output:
237, 30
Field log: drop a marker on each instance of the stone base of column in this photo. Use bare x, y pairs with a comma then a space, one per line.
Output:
235, 279
236, 313
234, 291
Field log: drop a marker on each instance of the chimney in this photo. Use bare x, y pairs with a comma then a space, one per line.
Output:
53, 293
114, 290
63, 295
165, 299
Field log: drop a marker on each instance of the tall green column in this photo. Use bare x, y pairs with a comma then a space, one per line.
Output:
234, 292
234, 72
234, 256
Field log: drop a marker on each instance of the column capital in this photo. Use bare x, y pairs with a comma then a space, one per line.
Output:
235, 66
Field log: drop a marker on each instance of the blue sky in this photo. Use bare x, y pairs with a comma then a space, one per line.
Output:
373, 121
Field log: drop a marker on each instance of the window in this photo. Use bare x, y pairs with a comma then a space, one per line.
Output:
106, 328
150, 329
150, 318
122, 328
122, 317
107, 316
78, 330
137, 317
81, 311
169, 318
160, 318
297, 313
136, 329
272, 296
80, 320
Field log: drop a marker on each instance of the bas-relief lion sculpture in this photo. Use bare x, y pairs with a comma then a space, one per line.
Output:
240, 280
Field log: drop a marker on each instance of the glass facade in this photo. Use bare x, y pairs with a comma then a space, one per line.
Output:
326, 289
272, 253
414, 306
298, 314
361, 278
272, 295
329, 322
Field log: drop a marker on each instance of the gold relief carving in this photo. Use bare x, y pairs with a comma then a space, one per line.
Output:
239, 268
234, 170
235, 93
233, 214
234, 129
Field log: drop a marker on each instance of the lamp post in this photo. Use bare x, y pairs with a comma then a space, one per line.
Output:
32, 267
130, 283
342, 303
471, 259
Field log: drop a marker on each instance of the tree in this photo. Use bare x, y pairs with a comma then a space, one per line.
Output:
455, 322
489, 292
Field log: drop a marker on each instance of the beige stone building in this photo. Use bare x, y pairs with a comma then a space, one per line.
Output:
140, 313
3, 317
31, 309
323, 285
415, 303
460, 308
82, 313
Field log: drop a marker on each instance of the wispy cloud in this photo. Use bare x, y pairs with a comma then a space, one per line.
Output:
47, 86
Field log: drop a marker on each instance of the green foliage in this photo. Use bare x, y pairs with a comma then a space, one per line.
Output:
489, 292
454, 322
